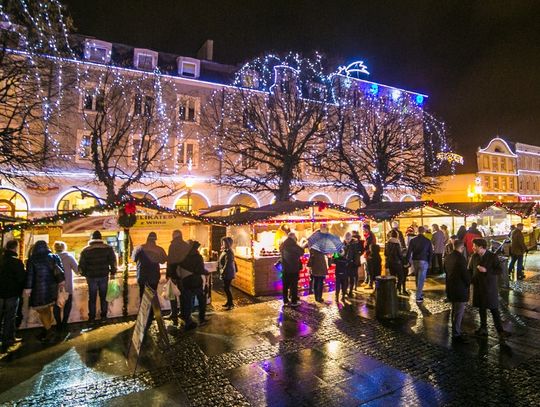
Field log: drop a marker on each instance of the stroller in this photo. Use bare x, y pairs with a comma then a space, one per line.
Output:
502, 250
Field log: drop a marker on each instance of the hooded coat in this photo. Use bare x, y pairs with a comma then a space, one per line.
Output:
194, 263
290, 256
148, 257
178, 250
226, 265
12, 275
393, 253
43, 274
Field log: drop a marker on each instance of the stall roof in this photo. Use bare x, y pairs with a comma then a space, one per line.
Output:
523, 209
468, 208
278, 209
10, 219
385, 211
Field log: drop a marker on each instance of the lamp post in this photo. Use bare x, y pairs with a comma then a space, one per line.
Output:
189, 181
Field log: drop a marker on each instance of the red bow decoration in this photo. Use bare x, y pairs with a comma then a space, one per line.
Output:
130, 208
322, 206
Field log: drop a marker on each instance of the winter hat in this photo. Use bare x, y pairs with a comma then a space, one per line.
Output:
395, 225
176, 233
152, 236
96, 235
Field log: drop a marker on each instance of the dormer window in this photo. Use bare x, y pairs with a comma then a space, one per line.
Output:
145, 59
98, 51
250, 79
317, 91
188, 67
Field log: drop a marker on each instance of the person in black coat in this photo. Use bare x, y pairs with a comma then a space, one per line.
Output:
374, 263
227, 269
192, 285
486, 268
342, 269
393, 253
458, 280
44, 277
12, 278
353, 252
291, 265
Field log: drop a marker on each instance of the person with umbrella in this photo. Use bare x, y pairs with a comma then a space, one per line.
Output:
321, 242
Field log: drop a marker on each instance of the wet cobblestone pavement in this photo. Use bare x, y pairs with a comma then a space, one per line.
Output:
314, 355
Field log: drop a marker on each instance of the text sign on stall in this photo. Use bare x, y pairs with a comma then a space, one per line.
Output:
149, 302
141, 324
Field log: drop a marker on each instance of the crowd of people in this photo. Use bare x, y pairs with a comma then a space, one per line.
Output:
47, 280
47, 277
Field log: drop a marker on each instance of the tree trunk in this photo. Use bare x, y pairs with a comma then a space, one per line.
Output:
125, 273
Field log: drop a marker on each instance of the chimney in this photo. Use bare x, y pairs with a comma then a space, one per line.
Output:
206, 51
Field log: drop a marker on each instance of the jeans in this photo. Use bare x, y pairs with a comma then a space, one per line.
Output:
290, 286
318, 284
188, 294
367, 275
8, 313
420, 269
96, 284
228, 293
519, 259
341, 284
458, 309
353, 278
437, 258
496, 318
57, 311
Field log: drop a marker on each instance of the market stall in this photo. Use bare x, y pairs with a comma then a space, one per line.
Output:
74, 229
258, 232
407, 214
494, 219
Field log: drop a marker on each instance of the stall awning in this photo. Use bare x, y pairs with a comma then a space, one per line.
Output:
386, 211
468, 208
284, 211
522, 209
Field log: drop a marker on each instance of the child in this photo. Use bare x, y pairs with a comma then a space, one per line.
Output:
342, 268
374, 263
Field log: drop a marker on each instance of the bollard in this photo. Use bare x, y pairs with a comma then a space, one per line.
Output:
386, 297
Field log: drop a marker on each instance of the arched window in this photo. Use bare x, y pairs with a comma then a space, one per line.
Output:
244, 199
321, 198
408, 198
76, 201
193, 201
12, 203
354, 202
144, 195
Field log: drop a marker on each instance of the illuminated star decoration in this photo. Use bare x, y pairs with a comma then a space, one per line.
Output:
353, 70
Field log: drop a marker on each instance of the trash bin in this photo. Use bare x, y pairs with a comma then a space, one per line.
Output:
386, 297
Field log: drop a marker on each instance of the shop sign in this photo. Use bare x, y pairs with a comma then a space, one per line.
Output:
159, 221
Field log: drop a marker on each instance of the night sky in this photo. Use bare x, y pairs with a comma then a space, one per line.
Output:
479, 61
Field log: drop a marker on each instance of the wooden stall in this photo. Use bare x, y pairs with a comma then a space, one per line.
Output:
258, 232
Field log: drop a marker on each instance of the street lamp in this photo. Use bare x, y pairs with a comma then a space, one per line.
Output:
189, 182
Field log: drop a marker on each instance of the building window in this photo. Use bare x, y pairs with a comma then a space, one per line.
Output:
486, 183
85, 147
145, 61
187, 109
511, 184
188, 153
496, 183
98, 51
494, 164
248, 161
250, 79
486, 162
503, 164
93, 100
143, 105
503, 183
189, 69
140, 150
317, 91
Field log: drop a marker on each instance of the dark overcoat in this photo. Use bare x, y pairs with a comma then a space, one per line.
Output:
485, 285
458, 277
44, 273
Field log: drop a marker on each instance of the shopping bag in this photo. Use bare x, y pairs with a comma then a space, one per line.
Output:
62, 297
173, 291
113, 291
165, 290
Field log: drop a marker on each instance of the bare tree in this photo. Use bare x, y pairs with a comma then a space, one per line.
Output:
266, 128
33, 35
131, 129
377, 143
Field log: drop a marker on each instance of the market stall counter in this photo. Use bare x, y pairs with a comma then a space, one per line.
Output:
79, 310
258, 232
